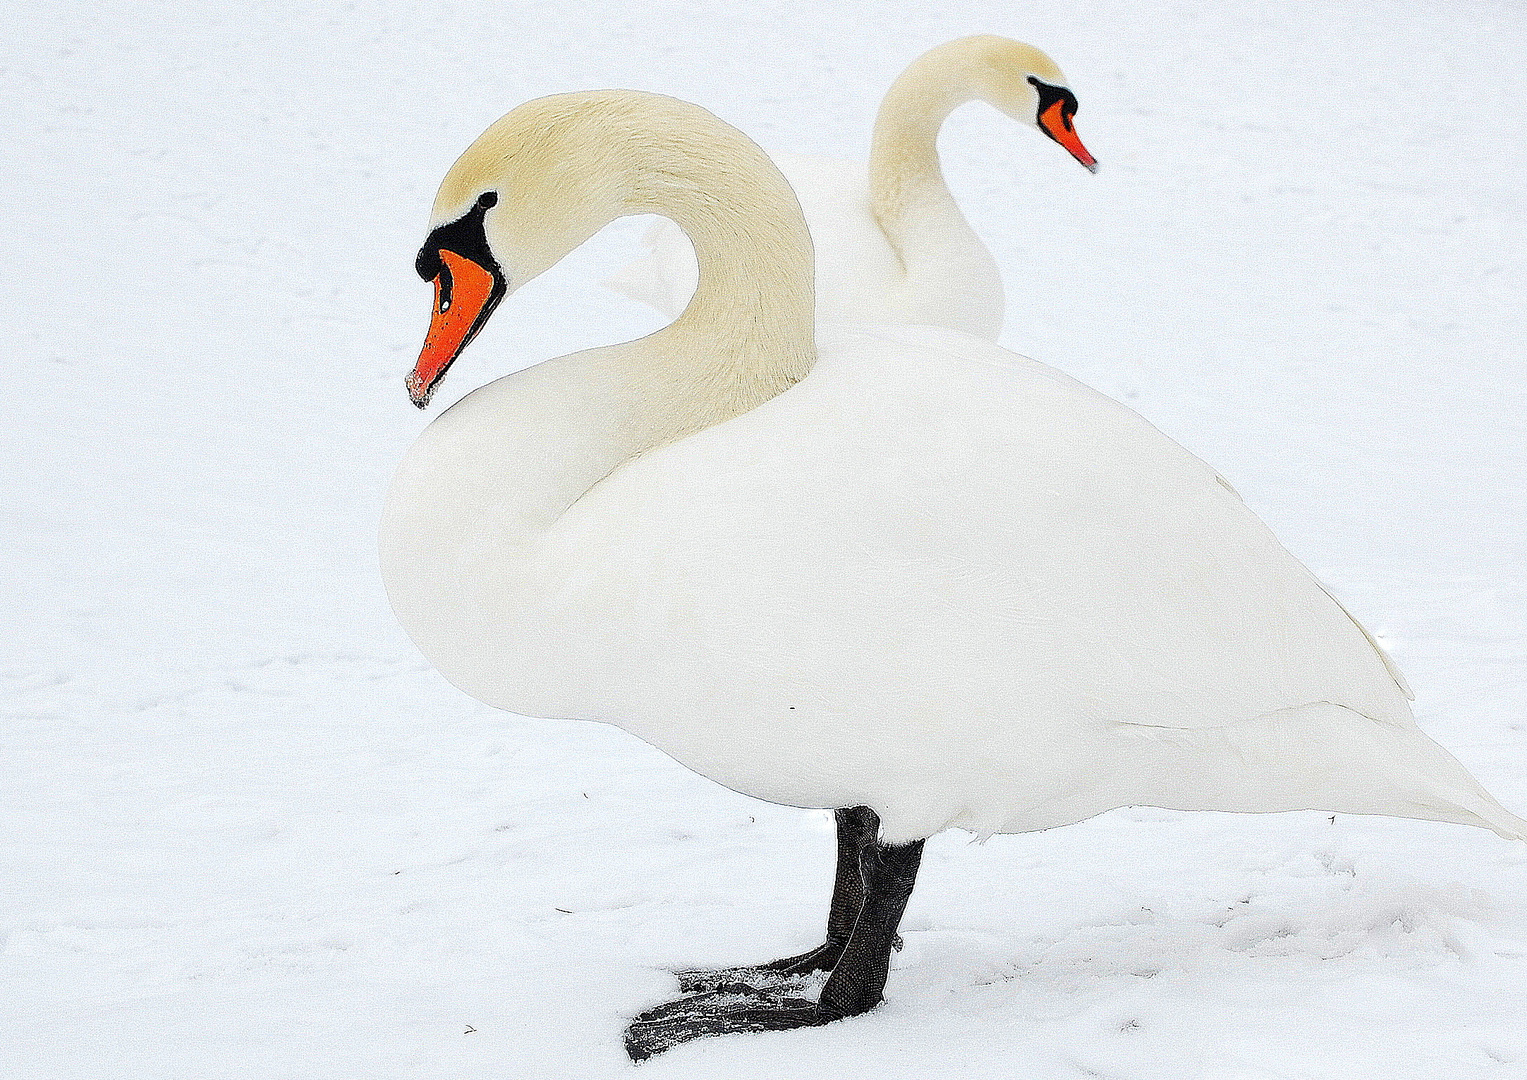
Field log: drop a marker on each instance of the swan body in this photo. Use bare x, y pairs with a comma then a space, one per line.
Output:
892, 245
932, 578
899, 572
901, 568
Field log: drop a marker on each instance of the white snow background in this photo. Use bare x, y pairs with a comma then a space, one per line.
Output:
248, 832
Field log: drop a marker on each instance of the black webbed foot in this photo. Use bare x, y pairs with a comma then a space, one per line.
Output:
730, 1001
790, 973
716, 1013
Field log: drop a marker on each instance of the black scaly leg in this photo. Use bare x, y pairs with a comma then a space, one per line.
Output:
890, 872
857, 828
887, 873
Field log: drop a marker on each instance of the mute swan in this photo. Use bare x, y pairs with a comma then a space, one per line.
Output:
892, 246
906, 575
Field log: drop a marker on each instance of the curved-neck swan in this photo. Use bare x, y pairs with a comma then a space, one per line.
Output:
892, 245
903, 574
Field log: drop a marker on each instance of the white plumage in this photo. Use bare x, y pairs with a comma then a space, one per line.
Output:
929, 576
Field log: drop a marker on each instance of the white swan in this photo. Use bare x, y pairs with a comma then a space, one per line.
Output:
892, 246
909, 574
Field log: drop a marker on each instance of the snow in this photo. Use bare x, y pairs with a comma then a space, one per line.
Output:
247, 832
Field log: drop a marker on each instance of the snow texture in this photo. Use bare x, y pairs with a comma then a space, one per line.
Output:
247, 832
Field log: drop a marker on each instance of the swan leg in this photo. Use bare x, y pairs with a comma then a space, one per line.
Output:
857, 828
888, 873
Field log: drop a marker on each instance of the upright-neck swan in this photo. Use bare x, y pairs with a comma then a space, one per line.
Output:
909, 576
892, 246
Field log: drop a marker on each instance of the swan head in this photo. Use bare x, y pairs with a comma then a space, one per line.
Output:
1024, 83
535, 185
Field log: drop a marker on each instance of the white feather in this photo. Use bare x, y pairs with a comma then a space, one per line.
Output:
931, 576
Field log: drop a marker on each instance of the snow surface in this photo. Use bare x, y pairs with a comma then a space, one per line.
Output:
247, 832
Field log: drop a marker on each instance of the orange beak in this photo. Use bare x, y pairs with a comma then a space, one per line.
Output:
465, 295
1055, 121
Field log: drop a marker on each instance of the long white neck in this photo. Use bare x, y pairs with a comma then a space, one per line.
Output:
749, 331
905, 181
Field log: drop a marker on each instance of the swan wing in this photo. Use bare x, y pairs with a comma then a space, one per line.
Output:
925, 498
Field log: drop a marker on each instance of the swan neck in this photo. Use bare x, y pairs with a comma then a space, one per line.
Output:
749, 332
904, 171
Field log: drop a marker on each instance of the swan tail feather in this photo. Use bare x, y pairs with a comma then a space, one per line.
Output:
1324, 756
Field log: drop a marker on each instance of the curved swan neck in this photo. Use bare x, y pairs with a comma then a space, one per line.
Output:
564, 166
904, 167
905, 179
749, 332
561, 168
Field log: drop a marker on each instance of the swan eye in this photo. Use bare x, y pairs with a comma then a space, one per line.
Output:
488, 200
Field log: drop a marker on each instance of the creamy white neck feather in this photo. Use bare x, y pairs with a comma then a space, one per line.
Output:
565, 166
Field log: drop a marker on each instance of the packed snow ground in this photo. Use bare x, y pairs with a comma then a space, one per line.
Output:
247, 832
